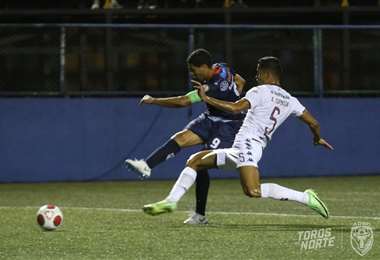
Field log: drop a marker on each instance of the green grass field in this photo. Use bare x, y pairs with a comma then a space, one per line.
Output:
103, 220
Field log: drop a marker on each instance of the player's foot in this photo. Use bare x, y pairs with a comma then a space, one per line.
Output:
160, 207
138, 166
317, 204
196, 219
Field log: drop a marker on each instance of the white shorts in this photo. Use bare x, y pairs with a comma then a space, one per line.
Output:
247, 153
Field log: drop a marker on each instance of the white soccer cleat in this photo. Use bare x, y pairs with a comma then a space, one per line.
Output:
139, 166
196, 219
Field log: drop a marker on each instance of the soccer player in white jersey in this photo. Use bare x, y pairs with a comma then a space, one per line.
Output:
268, 107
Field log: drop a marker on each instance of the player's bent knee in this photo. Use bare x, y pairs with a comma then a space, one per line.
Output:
180, 139
191, 160
186, 138
194, 161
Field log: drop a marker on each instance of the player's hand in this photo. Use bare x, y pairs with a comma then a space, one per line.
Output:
324, 143
146, 100
202, 88
196, 83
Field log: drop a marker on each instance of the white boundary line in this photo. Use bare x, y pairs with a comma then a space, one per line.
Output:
210, 212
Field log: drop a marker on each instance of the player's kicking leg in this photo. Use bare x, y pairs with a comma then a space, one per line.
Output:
182, 139
186, 179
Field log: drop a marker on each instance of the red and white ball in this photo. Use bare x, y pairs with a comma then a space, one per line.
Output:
49, 217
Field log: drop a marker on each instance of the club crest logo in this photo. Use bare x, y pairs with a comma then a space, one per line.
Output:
224, 85
362, 237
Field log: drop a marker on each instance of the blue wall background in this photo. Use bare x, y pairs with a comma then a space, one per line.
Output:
63, 139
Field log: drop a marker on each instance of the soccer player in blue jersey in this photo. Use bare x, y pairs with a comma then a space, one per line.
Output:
214, 128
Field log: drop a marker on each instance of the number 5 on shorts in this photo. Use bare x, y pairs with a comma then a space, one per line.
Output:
241, 157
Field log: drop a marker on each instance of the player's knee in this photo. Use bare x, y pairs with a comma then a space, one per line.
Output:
181, 139
194, 161
252, 193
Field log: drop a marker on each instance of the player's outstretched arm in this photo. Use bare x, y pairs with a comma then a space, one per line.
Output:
180, 101
315, 128
232, 107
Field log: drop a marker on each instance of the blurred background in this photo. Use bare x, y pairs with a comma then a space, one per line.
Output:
99, 47
72, 73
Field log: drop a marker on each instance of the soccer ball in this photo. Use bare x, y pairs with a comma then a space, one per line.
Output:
49, 217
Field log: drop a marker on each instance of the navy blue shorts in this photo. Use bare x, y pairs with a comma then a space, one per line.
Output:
215, 134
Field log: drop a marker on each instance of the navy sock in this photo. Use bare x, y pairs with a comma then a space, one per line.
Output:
162, 153
201, 191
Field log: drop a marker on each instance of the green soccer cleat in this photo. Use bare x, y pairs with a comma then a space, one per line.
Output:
317, 204
160, 207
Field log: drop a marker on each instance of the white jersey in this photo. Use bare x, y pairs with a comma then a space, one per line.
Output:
270, 107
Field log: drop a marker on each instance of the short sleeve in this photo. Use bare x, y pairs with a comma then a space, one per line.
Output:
297, 107
253, 97
225, 73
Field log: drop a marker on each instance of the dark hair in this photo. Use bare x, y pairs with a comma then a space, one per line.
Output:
271, 64
199, 57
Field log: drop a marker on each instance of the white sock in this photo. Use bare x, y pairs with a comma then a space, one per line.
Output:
277, 192
184, 182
